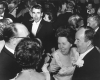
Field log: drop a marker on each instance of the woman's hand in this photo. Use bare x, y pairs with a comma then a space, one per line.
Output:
54, 68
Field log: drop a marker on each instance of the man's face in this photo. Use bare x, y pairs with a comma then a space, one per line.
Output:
80, 41
1, 8
64, 6
92, 23
98, 12
37, 14
89, 6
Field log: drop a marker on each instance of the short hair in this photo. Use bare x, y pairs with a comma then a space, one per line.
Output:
96, 18
37, 6
77, 20
2, 3
65, 33
28, 53
89, 33
5, 5
9, 32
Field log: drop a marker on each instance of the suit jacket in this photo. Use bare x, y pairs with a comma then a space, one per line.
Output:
7, 15
62, 20
44, 32
97, 38
91, 67
8, 65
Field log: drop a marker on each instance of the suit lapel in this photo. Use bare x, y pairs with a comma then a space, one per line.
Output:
40, 26
8, 52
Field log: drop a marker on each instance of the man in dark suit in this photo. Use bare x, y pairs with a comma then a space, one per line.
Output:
13, 33
88, 63
39, 28
4, 13
94, 22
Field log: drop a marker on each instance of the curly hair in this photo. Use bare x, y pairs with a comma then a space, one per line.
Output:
62, 32
28, 53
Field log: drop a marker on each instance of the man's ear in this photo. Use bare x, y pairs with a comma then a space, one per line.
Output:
42, 14
4, 8
89, 43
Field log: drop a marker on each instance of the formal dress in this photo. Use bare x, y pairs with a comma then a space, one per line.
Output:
97, 38
65, 63
8, 65
31, 74
91, 67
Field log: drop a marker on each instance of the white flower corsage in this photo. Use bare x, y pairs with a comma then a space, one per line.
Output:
79, 63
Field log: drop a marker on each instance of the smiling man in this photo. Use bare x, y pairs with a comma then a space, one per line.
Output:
88, 54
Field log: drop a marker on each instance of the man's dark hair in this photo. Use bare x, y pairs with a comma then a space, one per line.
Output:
89, 33
9, 32
37, 6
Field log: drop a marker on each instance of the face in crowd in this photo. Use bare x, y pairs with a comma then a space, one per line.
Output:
64, 45
37, 14
81, 41
92, 22
2, 8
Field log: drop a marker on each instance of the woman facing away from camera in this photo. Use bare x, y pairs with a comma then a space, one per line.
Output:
61, 65
28, 54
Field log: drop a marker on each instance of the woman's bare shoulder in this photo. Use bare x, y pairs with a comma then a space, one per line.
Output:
39, 76
33, 76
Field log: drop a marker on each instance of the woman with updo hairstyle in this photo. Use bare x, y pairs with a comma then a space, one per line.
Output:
28, 55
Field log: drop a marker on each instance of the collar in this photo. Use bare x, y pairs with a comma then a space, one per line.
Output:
85, 53
96, 29
70, 11
11, 50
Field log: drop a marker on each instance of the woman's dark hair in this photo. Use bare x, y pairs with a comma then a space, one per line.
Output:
28, 53
65, 33
50, 14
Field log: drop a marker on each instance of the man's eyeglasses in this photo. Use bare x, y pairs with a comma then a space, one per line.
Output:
28, 36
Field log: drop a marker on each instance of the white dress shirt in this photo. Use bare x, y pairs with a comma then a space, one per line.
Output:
11, 50
85, 53
35, 26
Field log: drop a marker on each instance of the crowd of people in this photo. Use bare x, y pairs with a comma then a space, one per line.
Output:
49, 40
